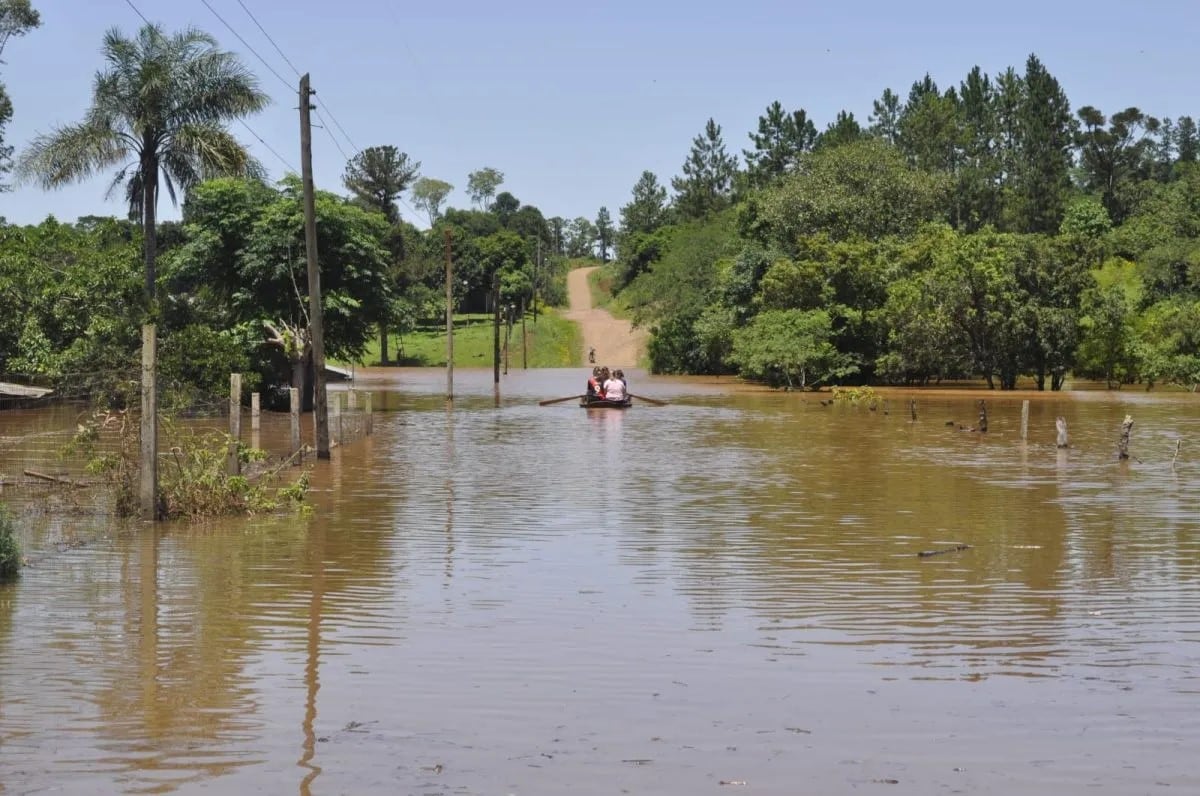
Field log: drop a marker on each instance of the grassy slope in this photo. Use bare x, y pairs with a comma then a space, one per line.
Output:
552, 343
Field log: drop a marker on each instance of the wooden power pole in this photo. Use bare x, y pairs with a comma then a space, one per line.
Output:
315, 319
496, 327
449, 322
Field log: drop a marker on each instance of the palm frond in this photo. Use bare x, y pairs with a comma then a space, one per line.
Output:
71, 153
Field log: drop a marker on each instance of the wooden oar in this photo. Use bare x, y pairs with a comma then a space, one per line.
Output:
653, 401
560, 400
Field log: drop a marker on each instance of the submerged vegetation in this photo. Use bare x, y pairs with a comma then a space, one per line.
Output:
10, 551
194, 480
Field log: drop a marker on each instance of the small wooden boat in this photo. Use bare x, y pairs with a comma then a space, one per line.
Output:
589, 402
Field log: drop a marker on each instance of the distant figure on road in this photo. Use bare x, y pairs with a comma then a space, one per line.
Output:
592, 356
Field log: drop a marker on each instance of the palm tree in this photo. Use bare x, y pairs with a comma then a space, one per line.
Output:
158, 112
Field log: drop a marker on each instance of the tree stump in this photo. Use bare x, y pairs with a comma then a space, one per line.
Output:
1123, 441
982, 416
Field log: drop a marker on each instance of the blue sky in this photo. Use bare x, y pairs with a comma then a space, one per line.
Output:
573, 101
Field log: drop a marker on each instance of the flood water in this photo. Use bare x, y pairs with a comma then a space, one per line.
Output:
721, 595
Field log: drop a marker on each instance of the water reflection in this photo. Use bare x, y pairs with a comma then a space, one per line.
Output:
536, 598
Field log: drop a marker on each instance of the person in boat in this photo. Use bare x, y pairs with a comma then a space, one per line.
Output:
595, 385
614, 387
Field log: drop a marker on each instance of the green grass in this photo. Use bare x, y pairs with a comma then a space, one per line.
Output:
552, 343
600, 282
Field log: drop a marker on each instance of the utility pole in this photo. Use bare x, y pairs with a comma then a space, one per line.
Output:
496, 327
315, 319
449, 322
537, 269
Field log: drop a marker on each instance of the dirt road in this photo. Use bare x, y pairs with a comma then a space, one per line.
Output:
617, 343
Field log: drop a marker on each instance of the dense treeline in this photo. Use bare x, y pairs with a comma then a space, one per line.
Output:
977, 231
227, 285
233, 282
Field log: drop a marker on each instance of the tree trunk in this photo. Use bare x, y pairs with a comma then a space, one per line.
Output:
150, 230
383, 343
300, 378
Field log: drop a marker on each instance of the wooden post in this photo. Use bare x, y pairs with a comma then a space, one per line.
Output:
368, 411
315, 319
335, 420
496, 327
912, 409
352, 399
982, 416
1024, 419
294, 407
1060, 423
148, 475
449, 322
524, 340
255, 412
1178, 444
233, 464
1123, 441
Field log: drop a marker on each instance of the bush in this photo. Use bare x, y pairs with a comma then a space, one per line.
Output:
10, 551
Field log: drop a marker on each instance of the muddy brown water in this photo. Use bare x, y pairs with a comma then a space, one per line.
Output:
505, 598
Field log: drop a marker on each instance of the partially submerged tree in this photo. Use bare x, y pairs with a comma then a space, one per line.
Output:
158, 113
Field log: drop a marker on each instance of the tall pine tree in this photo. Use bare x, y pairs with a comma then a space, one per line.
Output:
781, 138
707, 182
1045, 132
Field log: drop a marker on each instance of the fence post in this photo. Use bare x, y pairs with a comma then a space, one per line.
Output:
234, 465
1061, 424
255, 412
336, 419
368, 409
294, 407
1024, 419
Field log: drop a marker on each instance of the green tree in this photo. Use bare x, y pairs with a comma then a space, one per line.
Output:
429, 194
1044, 138
505, 207
647, 210
243, 266
843, 130
706, 186
1187, 140
861, 189
1108, 346
581, 238
885, 117
482, 185
604, 233
1112, 156
980, 175
161, 103
378, 176
17, 18
790, 346
780, 140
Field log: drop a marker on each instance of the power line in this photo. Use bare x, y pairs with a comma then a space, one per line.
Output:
269, 147
246, 44
136, 11
288, 61
268, 35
